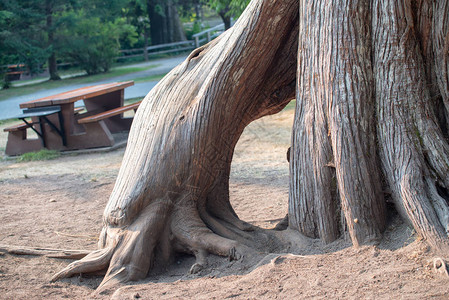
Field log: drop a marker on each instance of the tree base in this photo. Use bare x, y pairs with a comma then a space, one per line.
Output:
129, 254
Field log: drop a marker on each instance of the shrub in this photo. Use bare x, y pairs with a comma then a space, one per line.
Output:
91, 44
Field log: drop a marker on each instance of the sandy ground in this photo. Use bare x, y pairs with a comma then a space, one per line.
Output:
59, 203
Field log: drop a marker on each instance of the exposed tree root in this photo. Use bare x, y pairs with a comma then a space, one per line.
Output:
129, 253
172, 191
361, 69
48, 252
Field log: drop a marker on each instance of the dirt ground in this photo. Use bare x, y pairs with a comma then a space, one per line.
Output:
59, 203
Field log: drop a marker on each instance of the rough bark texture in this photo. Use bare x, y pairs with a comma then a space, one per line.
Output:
413, 150
362, 63
172, 191
372, 112
334, 133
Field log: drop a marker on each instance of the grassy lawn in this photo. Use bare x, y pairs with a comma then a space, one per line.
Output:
149, 78
32, 88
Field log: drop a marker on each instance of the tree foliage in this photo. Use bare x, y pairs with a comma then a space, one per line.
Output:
92, 43
23, 34
228, 9
90, 33
34, 31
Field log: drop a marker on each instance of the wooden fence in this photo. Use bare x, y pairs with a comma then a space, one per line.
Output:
199, 39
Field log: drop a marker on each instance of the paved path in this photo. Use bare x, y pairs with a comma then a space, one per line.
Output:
10, 107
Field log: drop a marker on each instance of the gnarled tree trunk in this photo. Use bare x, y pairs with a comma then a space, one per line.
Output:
172, 191
371, 117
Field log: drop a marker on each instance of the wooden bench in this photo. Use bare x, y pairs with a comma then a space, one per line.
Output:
13, 76
109, 113
16, 127
96, 99
14, 72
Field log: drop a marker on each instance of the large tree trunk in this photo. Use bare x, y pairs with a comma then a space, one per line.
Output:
372, 86
413, 151
362, 63
172, 191
334, 154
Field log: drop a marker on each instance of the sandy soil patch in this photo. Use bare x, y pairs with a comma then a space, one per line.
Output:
59, 203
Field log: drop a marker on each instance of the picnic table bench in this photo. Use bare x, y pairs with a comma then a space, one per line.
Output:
62, 126
14, 72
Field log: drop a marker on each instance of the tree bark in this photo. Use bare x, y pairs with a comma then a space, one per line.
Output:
334, 157
172, 191
371, 79
413, 151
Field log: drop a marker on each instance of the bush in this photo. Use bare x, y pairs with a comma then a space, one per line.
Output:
91, 44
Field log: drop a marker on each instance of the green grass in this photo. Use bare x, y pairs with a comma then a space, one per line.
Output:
132, 100
6, 122
149, 78
290, 105
43, 154
32, 88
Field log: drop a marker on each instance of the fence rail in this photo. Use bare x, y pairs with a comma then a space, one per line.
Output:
199, 39
210, 34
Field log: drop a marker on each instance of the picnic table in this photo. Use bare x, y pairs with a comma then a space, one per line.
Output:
13, 72
62, 126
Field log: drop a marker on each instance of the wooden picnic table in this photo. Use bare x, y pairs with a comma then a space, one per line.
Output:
93, 128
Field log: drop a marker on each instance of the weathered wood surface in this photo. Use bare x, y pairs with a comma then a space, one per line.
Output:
78, 94
370, 89
172, 191
109, 113
334, 165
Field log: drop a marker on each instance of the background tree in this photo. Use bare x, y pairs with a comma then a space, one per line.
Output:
93, 43
370, 77
23, 32
165, 25
227, 9
137, 15
6, 53
39, 31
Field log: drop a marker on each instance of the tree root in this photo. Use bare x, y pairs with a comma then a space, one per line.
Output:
48, 252
128, 253
94, 261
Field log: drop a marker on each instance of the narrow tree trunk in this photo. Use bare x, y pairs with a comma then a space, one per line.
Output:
145, 44
172, 191
157, 24
199, 12
225, 18
52, 66
174, 25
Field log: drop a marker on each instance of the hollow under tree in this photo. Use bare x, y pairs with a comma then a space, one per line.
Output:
371, 81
